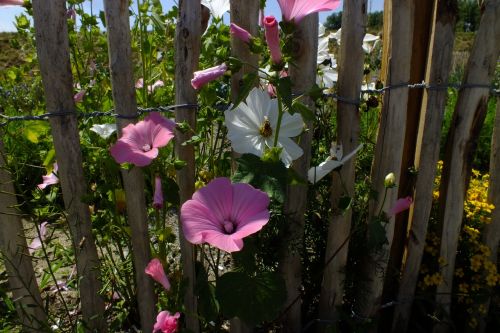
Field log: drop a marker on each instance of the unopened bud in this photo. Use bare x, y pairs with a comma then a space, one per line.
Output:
390, 180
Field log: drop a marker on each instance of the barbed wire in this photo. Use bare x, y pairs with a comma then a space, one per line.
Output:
163, 109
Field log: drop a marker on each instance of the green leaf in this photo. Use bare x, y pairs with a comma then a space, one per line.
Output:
251, 298
270, 177
345, 203
284, 88
306, 113
50, 158
34, 130
376, 234
208, 306
247, 83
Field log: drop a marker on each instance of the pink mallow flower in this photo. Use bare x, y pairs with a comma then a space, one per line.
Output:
50, 178
158, 194
79, 96
273, 38
156, 271
37, 241
240, 33
166, 323
201, 78
222, 214
296, 10
400, 206
139, 142
11, 3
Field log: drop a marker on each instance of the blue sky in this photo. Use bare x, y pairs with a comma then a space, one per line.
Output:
7, 14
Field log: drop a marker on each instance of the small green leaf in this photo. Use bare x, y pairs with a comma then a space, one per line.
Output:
284, 88
34, 130
376, 234
253, 299
345, 203
306, 113
208, 306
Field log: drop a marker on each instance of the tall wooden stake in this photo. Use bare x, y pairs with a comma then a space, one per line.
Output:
187, 47
122, 81
303, 75
467, 121
427, 153
389, 150
53, 53
14, 250
349, 86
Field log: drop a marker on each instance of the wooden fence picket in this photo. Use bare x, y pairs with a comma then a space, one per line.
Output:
122, 82
14, 251
351, 65
52, 45
244, 13
389, 150
427, 154
303, 76
187, 47
491, 233
468, 118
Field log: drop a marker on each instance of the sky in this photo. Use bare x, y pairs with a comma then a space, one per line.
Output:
7, 14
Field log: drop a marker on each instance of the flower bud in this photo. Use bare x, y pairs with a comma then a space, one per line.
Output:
273, 38
390, 180
240, 33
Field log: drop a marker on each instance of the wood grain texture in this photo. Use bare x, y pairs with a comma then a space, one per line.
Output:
122, 82
467, 121
53, 54
14, 252
427, 154
303, 76
349, 85
389, 150
187, 53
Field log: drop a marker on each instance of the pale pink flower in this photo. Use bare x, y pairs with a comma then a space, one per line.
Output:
158, 194
273, 38
139, 142
79, 96
400, 205
222, 214
50, 178
240, 33
140, 83
296, 10
37, 241
156, 271
201, 78
11, 3
166, 323
71, 13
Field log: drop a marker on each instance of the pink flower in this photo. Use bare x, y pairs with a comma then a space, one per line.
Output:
400, 206
296, 10
203, 77
79, 96
11, 2
139, 142
37, 241
155, 270
222, 214
140, 83
71, 13
155, 85
50, 178
240, 33
273, 38
158, 195
166, 323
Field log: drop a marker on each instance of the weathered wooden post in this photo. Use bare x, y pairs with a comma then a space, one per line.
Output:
349, 86
14, 251
303, 76
467, 121
491, 232
244, 13
389, 150
187, 53
122, 81
53, 53
427, 153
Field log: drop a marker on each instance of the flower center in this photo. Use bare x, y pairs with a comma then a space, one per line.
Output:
228, 227
146, 147
266, 130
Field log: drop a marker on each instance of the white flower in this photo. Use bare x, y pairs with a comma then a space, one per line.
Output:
327, 75
216, 7
369, 40
252, 127
103, 130
316, 173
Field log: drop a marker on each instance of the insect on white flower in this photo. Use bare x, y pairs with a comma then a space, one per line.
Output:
252, 127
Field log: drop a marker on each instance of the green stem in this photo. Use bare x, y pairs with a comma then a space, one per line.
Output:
280, 116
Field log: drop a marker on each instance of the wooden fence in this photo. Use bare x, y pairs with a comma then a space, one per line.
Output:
400, 63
